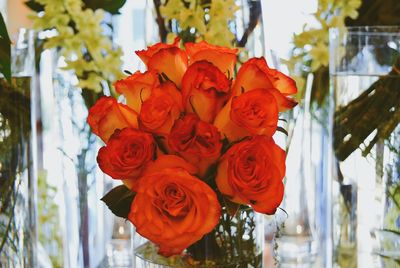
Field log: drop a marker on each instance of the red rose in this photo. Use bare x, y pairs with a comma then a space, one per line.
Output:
222, 57
205, 89
255, 73
161, 109
251, 172
174, 209
126, 154
196, 141
166, 58
164, 161
137, 88
253, 113
107, 115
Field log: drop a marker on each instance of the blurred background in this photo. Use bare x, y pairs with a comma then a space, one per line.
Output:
342, 190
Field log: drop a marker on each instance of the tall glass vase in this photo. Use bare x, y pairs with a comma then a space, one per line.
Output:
297, 241
18, 229
70, 151
365, 149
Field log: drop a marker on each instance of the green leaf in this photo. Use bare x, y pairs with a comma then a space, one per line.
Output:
5, 50
32, 4
281, 129
111, 6
119, 200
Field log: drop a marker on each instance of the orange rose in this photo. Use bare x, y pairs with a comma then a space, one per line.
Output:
169, 161
126, 154
205, 89
166, 58
137, 88
255, 73
253, 113
196, 141
161, 109
222, 57
174, 209
163, 161
107, 115
251, 172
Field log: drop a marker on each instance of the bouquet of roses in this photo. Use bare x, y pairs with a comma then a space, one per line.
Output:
193, 144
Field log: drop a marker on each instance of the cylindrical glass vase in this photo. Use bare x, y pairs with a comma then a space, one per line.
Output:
365, 151
69, 159
297, 239
236, 242
18, 230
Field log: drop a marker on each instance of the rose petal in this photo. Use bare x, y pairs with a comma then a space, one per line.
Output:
170, 61
146, 54
169, 161
273, 198
137, 88
222, 57
284, 103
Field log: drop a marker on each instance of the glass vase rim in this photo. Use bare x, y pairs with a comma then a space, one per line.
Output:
368, 29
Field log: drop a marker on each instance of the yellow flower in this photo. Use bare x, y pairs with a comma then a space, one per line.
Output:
105, 61
193, 19
211, 21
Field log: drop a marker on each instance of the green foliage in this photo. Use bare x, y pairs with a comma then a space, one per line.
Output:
201, 20
111, 6
119, 200
80, 39
48, 218
14, 138
311, 47
377, 13
35, 6
5, 50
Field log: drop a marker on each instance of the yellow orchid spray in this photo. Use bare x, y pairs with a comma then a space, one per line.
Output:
311, 52
196, 20
88, 52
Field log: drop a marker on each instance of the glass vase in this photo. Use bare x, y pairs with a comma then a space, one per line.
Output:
365, 149
236, 242
297, 238
18, 229
69, 161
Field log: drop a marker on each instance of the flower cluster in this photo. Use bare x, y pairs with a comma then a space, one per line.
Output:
210, 19
191, 136
80, 36
311, 50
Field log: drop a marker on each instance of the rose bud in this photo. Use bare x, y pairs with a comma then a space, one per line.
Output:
107, 115
253, 113
205, 90
174, 209
196, 141
255, 73
137, 87
251, 172
126, 154
161, 109
222, 57
166, 58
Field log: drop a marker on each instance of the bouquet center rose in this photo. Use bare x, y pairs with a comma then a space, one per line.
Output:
193, 144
